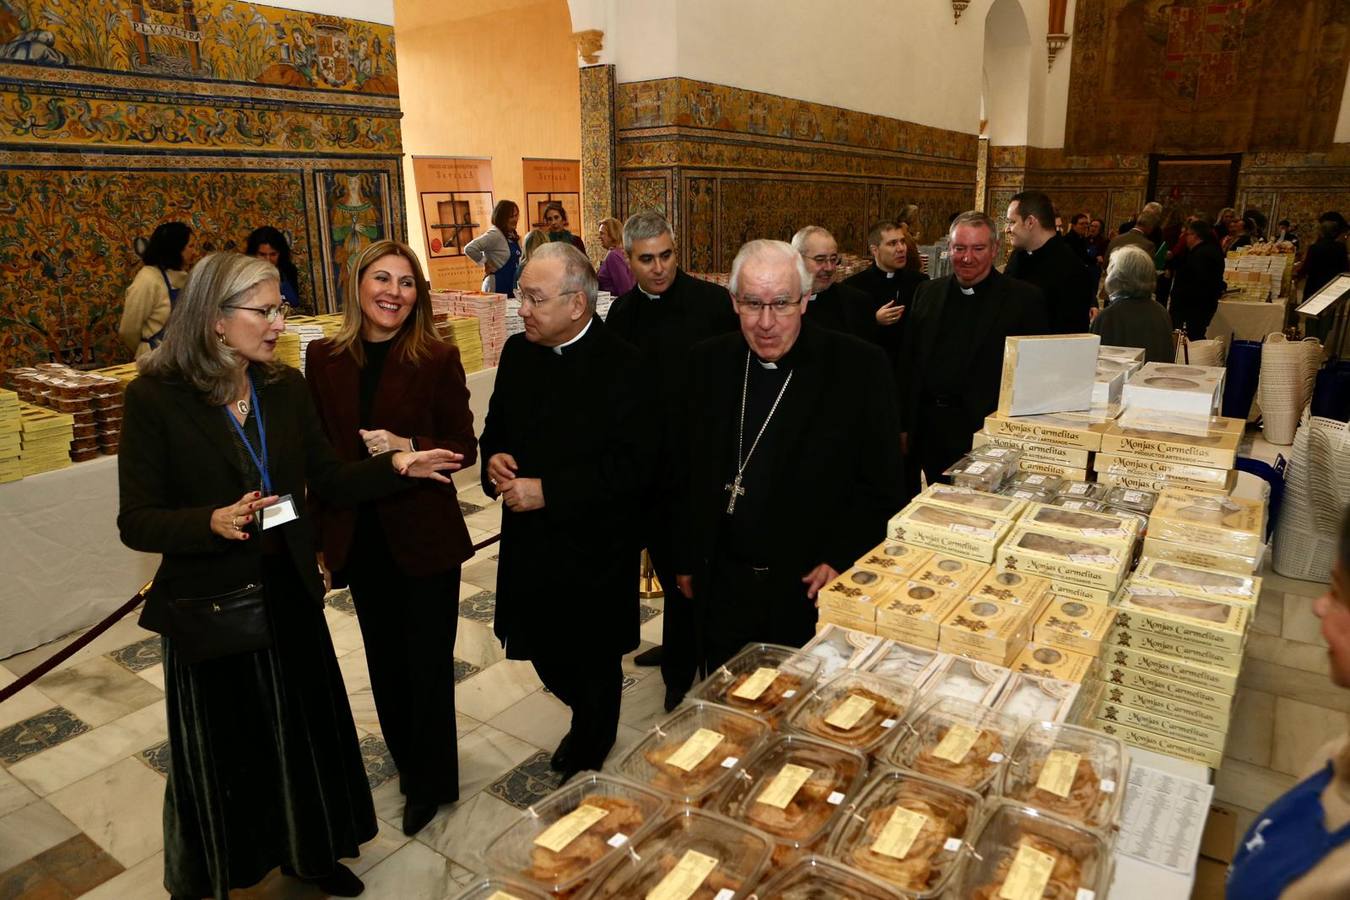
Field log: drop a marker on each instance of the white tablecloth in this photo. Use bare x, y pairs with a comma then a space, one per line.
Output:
1246, 321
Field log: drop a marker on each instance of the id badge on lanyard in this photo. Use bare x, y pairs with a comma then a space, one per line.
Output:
283, 510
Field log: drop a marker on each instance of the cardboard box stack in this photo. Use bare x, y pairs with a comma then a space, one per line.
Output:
45, 438
1175, 388
10, 437
1271, 259
464, 332
490, 312
1154, 460
304, 333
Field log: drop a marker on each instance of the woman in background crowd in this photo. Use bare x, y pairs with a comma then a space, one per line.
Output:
1132, 317
152, 293
614, 274
498, 249
270, 244
386, 381
219, 446
537, 238
555, 222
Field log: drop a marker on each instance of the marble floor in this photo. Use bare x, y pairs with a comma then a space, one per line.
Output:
83, 756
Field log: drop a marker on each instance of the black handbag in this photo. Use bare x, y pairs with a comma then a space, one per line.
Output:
203, 628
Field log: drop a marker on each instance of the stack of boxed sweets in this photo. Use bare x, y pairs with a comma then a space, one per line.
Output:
93, 400
464, 332
1275, 259
44, 439
825, 771
10, 437
490, 312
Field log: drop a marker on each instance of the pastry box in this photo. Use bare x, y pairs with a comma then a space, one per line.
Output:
1085, 525
949, 531
968, 500
1047, 373
903, 663
914, 614
950, 573
1160, 743
1215, 623
1032, 699
765, 680
966, 679
1233, 524
1200, 582
1062, 472
894, 559
1067, 771
987, 630
1078, 626
1169, 707
1012, 587
1051, 453
1135, 663
857, 592
1192, 390
1096, 562
1177, 730
1060, 429
1216, 445
859, 710
956, 742
693, 752
1201, 557
1045, 661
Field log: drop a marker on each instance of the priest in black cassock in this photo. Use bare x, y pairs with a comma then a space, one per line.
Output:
792, 461
832, 304
1041, 256
890, 283
664, 316
565, 446
952, 361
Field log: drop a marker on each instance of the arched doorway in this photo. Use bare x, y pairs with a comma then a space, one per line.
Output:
1005, 102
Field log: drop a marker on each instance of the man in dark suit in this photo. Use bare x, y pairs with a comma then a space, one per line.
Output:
664, 316
565, 442
952, 361
835, 305
1041, 256
779, 407
1198, 283
890, 281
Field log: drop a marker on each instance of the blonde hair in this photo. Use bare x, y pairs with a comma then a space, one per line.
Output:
533, 241
613, 230
418, 333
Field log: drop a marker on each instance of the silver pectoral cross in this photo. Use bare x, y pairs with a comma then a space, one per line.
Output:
736, 491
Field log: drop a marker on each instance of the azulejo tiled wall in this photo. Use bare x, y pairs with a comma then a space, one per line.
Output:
1296, 186
116, 116
726, 165
597, 150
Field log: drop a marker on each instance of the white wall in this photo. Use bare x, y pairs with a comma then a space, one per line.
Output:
1008, 58
381, 11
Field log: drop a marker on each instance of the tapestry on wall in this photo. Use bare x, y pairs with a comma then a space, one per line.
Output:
1206, 76
116, 115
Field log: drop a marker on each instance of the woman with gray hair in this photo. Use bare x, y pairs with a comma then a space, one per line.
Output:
220, 444
1132, 317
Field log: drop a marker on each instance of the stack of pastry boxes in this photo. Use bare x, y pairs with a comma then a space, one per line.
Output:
44, 439
10, 437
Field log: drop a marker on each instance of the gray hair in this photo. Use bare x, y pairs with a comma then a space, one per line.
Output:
1130, 273
975, 217
192, 350
578, 274
643, 226
1148, 219
801, 237
766, 251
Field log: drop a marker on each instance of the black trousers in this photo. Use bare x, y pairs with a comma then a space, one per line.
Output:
591, 684
742, 604
409, 626
679, 658
942, 434
1193, 318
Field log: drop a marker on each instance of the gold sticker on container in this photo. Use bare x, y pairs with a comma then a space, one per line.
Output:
683, 881
1028, 876
900, 832
1058, 772
756, 684
557, 836
848, 713
784, 786
957, 743
696, 749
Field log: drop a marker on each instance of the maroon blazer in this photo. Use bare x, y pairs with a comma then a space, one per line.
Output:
428, 402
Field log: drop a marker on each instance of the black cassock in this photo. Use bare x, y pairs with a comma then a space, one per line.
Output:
567, 574
842, 307
888, 287
1069, 285
819, 488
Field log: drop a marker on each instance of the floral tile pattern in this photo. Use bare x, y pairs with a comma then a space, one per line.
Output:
41, 732
464, 669
140, 655
527, 783
481, 607
647, 613
468, 508
342, 600
157, 757
379, 762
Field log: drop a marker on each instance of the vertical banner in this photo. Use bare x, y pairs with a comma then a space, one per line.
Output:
554, 179
455, 196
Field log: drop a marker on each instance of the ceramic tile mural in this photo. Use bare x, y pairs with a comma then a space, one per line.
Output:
597, 150
116, 116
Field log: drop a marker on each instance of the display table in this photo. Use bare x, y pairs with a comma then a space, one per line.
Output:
1245, 321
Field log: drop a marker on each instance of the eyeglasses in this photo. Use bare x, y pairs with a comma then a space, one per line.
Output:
536, 301
270, 313
779, 306
832, 259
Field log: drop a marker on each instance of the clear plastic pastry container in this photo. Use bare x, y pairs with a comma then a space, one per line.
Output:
1031, 698
693, 752
569, 836
765, 680
957, 742
966, 679
500, 889
818, 878
978, 474
1071, 772
1037, 481
854, 709
1026, 493
794, 789
1232, 524
1063, 501
1006, 455
908, 830
839, 648
1132, 514
692, 855
1024, 853
1082, 490
1079, 523
970, 500
1136, 499
903, 663
1202, 582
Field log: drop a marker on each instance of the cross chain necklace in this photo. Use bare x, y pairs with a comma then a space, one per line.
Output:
735, 486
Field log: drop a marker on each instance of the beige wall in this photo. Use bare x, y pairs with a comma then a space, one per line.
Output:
501, 84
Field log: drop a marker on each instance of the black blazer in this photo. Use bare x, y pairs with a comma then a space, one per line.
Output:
178, 463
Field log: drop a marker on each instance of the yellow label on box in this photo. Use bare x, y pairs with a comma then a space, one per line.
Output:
900, 832
1028, 876
784, 786
848, 713
502, 895
683, 881
1058, 772
756, 684
696, 749
557, 836
956, 743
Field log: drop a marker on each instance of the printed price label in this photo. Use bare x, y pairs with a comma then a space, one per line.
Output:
1058, 772
1028, 876
899, 834
756, 684
847, 714
784, 786
683, 881
956, 743
696, 749
557, 836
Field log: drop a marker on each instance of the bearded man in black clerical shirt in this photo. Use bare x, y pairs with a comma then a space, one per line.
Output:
952, 360
791, 467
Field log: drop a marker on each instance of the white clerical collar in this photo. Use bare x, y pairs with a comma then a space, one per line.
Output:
650, 296
891, 273
766, 365
968, 291
580, 334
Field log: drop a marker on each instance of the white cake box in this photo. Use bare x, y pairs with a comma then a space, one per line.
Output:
1048, 373
1192, 390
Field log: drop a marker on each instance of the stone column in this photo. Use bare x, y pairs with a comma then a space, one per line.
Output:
598, 182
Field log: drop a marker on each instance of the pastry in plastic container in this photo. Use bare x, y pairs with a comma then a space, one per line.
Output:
1037, 481
1072, 772
979, 474
694, 752
794, 789
500, 889
908, 830
692, 855
903, 663
1064, 501
972, 680
818, 878
855, 709
957, 742
765, 680
1082, 490
840, 648
970, 500
1137, 499
1031, 698
569, 836
1026, 493
1024, 853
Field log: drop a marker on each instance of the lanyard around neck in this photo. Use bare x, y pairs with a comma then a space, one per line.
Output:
258, 456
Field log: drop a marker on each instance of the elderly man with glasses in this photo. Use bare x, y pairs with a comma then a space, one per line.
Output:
838, 306
566, 445
791, 470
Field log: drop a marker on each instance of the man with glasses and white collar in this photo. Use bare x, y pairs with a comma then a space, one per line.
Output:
792, 460
835, 305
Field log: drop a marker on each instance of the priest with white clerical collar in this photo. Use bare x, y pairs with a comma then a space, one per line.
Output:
791, 470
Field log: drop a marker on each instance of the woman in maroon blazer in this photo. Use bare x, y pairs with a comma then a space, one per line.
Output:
386, 381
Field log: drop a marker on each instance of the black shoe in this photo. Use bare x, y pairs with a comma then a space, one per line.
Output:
558, 762
673, 699
650, 657
341, 882
417, 813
